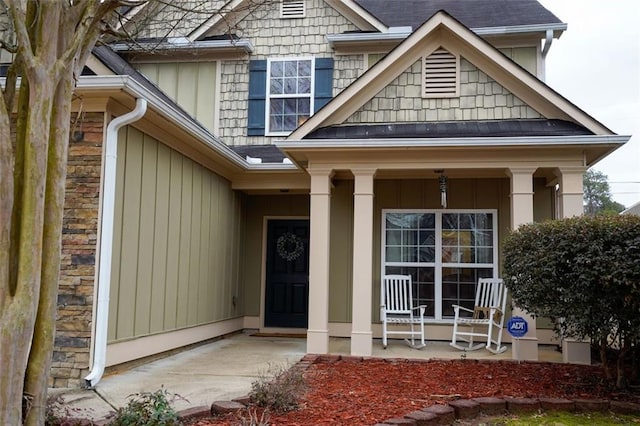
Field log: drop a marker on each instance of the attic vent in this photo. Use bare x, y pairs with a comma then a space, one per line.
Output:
292, 9
440, 73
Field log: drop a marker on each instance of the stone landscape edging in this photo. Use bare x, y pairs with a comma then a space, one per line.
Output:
442, 414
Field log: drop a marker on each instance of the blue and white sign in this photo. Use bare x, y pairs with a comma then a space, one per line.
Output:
517, 326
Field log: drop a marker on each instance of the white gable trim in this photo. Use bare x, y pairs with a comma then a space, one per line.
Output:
443, 30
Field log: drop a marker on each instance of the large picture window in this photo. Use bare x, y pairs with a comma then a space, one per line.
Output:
289, 94
445, 252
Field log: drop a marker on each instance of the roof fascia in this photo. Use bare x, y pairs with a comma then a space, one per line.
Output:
185, 46
358, 15
335, 40
480, 142
227, 14
424, 40
135, 89
517, 80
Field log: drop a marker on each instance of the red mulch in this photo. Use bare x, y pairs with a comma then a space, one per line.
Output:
347, 392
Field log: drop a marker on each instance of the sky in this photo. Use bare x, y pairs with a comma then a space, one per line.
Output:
596, 65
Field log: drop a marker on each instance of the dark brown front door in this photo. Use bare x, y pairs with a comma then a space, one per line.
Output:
287, 286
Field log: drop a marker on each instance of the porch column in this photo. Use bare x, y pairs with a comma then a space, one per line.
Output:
524, 348
571, 204
571, 191
361, 334
320, 203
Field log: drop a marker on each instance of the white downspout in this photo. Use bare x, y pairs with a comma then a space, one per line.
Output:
106, 240
545, 50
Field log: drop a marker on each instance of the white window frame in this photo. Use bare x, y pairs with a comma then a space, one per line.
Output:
438, 264
269, 96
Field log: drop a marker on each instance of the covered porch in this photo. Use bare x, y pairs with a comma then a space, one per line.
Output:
518, 181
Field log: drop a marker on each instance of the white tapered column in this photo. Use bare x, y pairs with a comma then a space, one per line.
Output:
361, 334
524, 348
320, 206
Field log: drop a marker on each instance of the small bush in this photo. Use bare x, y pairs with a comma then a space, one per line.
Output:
250, 417
278, 391
148, 409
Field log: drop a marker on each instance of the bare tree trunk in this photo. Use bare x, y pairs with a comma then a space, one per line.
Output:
36, 381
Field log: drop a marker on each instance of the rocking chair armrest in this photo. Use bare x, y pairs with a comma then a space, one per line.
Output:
420, 308
457, 307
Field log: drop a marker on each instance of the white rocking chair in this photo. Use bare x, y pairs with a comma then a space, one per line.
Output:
396, 307
487, 315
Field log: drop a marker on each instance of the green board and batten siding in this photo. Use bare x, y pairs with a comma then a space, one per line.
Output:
191, 84
177, 237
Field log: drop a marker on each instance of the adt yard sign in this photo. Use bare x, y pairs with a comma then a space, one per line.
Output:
517, 326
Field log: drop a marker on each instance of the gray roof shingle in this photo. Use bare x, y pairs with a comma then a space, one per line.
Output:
472, 13
452, 129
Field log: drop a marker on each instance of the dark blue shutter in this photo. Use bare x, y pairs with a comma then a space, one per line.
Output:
324, 82
257, 97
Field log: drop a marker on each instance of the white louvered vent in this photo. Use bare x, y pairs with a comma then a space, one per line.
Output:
292, 9
440, 75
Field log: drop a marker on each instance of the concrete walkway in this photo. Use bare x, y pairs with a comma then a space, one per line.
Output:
225, 369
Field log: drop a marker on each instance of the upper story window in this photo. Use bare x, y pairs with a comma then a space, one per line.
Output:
289, 94
292, 9
441, 75
284, 92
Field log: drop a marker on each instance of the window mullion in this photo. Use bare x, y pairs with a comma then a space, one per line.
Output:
438, 268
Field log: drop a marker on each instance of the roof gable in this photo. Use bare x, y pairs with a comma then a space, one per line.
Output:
443, 31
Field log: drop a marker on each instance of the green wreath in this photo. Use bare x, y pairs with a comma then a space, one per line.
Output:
289, 246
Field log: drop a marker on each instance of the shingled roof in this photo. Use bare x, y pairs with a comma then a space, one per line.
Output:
472, 13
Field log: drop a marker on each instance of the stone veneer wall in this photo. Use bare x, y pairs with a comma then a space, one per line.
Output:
71, 356
481, 98
272, 36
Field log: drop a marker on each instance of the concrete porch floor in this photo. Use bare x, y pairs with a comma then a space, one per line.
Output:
225, 369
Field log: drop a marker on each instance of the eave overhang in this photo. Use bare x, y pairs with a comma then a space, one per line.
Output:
395, 35
125, 90
184, 48
593, 147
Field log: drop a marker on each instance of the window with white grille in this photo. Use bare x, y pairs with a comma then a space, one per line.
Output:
440, 75
292, 9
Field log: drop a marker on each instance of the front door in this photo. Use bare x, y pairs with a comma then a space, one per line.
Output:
287, 281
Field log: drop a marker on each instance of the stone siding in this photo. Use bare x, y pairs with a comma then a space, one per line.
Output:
481, 98
71, 355
272, 36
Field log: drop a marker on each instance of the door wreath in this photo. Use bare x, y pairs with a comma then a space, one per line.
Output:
289, 246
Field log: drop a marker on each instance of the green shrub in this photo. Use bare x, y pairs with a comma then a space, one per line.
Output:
279, 389
148, 409
583, 273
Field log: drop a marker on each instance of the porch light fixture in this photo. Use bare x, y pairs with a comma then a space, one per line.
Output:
443, 188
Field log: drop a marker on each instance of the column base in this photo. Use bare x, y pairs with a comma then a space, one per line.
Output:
524, 349
317, 341
361, 343
576, 351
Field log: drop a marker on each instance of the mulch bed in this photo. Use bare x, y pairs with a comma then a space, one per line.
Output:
353, 392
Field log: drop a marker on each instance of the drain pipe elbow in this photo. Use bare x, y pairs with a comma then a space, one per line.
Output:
545, 50
106, 240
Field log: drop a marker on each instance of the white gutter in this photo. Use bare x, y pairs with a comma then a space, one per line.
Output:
478, 142
134, 88
106, 240
185, 44
401, 33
